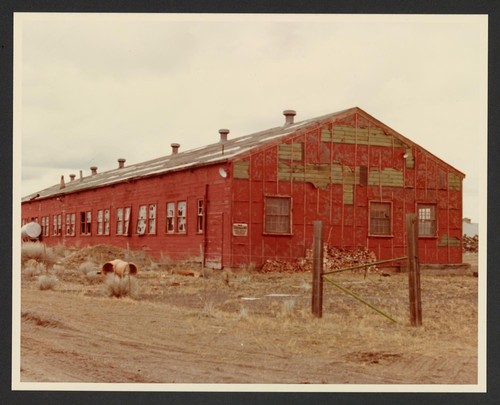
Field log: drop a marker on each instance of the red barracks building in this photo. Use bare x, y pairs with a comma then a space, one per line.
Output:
245, 200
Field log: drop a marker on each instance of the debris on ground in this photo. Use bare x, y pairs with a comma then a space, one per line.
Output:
333, 259
470, 243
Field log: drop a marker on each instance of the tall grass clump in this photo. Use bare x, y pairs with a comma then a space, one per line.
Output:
47, 282
34, 268
87, 267
121, 286
37, 251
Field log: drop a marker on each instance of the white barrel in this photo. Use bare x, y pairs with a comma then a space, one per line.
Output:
31, 230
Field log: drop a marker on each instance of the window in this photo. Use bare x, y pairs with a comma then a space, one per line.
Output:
170, 217
85, 222
426, 219
278, 218
181, 217
57, 225
176, 218
380, 218
45, 226
119, 221
122, 220
103, 222
70, 224
201, 215
147, 219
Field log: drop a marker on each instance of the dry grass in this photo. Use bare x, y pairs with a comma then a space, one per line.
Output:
37, 251
270, 315
47, 282
121, 286
33, 268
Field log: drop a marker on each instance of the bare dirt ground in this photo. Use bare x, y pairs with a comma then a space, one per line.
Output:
247, 328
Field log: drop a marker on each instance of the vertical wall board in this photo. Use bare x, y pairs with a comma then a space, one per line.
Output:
257, 215
240, 211
284, 188
257, 164
241, 191
271, 163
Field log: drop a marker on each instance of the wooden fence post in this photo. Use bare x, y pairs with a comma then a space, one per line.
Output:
317, 284
413, 270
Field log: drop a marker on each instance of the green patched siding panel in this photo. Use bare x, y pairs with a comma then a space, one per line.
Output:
336, 174
322, 174
241, 169
293, 151
326, 134
316, 173
447, 241
361, 136
348, 197
454, 182
387, 177
410, 160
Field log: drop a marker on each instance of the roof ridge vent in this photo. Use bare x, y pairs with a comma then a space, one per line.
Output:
289, 115
223, 134
175, 148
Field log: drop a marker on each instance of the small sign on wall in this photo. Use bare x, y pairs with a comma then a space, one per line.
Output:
240, 229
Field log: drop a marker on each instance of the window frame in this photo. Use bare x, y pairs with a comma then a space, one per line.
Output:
170, 217
371, 218
57, 225
181, 219
70, 223
86, 223
268, 215
176, 221
432, 221
45, 225
103, 222
200, 215
145, 220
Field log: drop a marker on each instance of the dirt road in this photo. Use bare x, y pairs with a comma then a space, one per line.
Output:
172, 334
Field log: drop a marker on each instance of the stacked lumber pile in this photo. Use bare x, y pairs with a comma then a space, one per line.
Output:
470, 243
333, 259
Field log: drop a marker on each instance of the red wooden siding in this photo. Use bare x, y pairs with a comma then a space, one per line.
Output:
322, 170
332, 170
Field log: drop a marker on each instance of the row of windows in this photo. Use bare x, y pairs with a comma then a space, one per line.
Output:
381, 219
277, 219
176, 221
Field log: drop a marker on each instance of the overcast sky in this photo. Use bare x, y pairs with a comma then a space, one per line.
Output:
90, 89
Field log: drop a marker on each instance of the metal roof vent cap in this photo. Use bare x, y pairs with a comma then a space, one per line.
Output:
72, 177
289, 114
121, 163
93, 169
175, 148
223, 134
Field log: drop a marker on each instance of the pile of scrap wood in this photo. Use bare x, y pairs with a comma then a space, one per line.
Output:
333, 259
470, 243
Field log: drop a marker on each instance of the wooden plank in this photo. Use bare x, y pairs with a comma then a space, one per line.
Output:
317, 281
413, 271
240, 169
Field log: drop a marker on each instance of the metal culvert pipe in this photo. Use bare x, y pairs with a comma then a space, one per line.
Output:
31, 231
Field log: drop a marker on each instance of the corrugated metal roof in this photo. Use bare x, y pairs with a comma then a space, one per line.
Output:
206, 155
